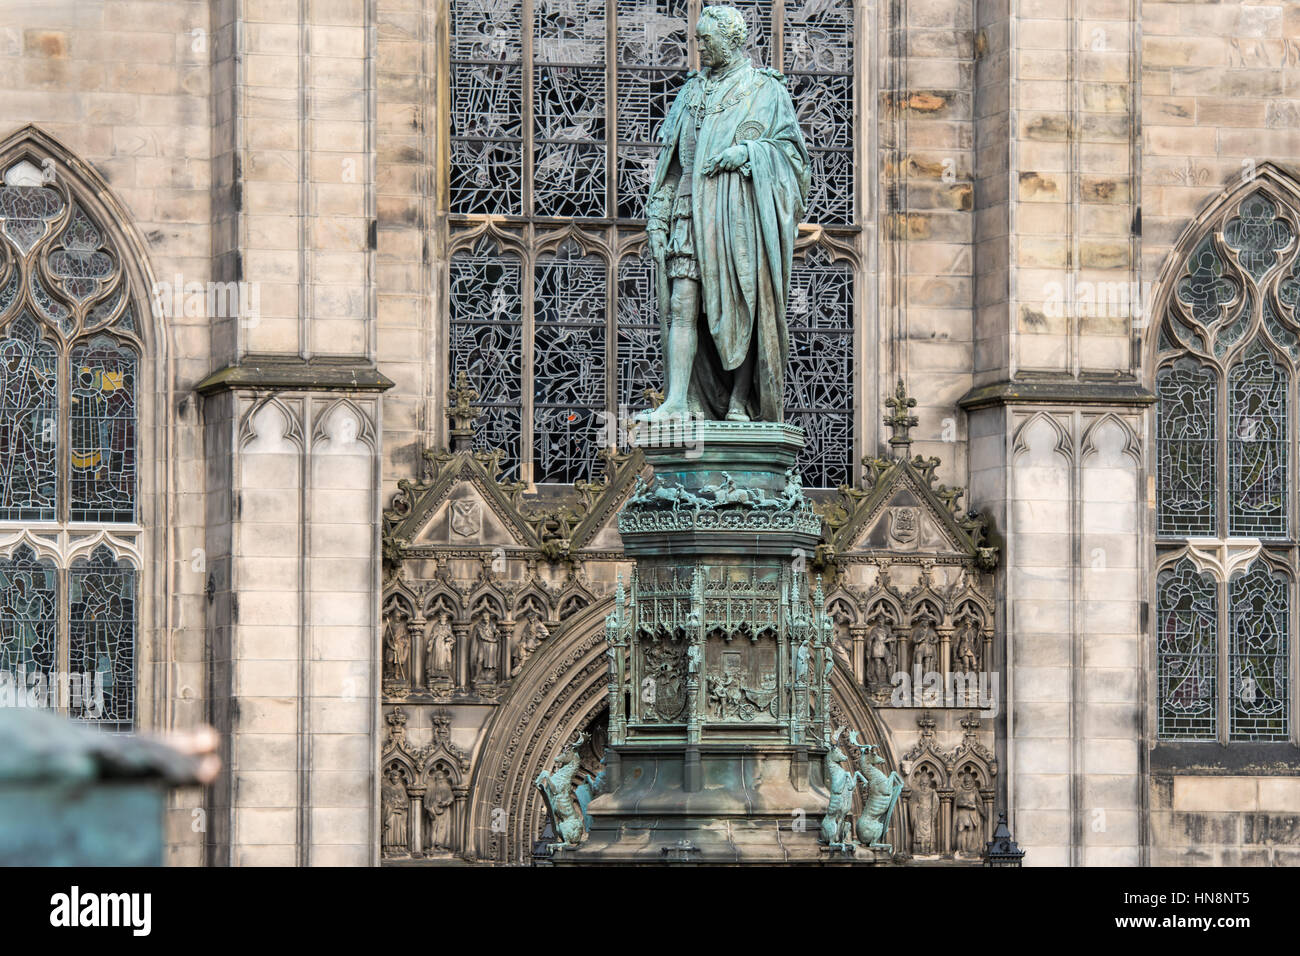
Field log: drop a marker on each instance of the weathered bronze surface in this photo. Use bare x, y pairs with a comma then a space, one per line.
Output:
723, 213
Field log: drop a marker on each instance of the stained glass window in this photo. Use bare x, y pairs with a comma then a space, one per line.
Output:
569, 109
652, 57
102, 425
1188, 454
101, 613
69, 358
487, 142
568, 343
1257, 655
819, 376
554, 111
29, 422
1257, 450
29, 618
819, 64
1229, 341
486, 342
640, 353
1187, 652
1257, 235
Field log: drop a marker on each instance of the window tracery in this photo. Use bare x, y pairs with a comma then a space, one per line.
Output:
1226, 441
69, 355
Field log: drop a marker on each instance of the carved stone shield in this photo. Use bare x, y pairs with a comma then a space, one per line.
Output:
904, 526
466, 518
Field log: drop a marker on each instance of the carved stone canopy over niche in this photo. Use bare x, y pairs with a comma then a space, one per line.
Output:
949, 799
908, 572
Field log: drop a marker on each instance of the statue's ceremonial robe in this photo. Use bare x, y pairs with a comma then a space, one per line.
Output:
743, 226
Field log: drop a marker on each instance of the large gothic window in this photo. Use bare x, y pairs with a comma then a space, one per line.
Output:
69, 353
1226, 453
555, 107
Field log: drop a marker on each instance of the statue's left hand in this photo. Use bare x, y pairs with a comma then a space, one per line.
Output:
729, 160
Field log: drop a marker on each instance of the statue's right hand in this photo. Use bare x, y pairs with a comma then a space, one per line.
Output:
658, 243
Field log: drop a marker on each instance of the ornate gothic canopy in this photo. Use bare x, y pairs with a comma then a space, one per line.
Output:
495, 599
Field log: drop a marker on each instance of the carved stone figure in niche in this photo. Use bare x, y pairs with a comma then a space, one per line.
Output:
802, 656
693, 654
925, 645
396, 805
724, 207
966, 651
439, 647
923, 812
397, 646
532, 634
486, 642
880, 665
438, 800
968, 816
843, 634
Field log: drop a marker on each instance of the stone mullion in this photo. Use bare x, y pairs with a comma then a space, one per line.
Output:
778, 35
693, 9
611, 112
526, 110
1222, 693
1073, 113
611, 214
528, 266
63, 430
611, 326
63, 514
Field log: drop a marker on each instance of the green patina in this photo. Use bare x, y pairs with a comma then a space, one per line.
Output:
722, 217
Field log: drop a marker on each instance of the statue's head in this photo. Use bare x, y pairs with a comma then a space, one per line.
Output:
721, 33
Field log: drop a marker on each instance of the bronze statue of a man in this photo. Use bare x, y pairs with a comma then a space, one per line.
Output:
723, 214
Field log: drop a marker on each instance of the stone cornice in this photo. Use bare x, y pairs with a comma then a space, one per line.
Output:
283, 373
1057, 392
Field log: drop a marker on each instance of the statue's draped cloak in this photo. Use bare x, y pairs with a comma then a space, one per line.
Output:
745, 223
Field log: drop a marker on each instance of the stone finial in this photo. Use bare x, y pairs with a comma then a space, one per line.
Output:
462, 412
900, 420
926, 723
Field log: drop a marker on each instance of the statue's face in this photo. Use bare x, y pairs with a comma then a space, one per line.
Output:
715, 49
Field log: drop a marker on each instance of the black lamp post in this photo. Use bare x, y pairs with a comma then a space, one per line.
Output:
1002, 849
